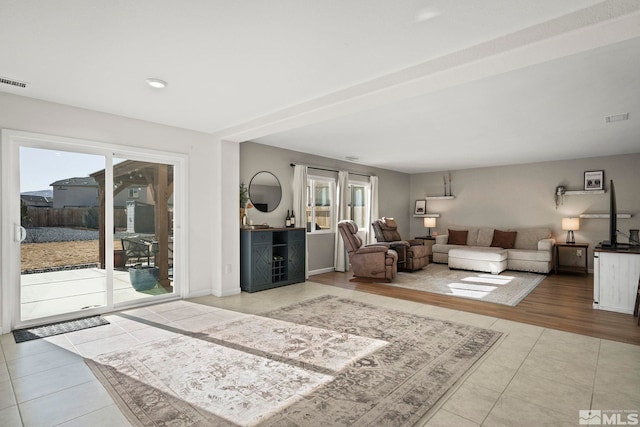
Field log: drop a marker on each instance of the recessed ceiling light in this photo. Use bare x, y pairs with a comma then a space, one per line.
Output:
616, 118
156, 83
351, 158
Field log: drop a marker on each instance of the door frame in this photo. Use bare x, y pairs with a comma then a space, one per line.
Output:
12, 140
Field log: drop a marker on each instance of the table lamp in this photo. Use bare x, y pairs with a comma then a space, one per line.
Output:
428, 223
570, 224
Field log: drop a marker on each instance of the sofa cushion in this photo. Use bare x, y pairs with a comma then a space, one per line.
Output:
527, 255
444, 249
441, 239
485, 235
528, 238
458, 237
479, 254
504, 239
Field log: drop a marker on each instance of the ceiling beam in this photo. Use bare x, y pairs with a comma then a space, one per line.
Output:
603, 24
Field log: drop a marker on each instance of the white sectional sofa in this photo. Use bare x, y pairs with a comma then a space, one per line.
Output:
532, 250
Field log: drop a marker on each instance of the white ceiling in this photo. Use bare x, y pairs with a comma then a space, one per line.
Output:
478, 83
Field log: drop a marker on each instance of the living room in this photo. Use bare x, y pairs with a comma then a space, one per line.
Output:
502, 196
502, 166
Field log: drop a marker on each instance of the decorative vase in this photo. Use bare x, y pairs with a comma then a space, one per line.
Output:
241, 215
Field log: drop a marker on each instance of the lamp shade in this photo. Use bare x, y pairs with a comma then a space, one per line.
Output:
429, 222
571, 224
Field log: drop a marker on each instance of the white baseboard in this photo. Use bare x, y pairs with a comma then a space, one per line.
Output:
226, 293
202, 293
322, 270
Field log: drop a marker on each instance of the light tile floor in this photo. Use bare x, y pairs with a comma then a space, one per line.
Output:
533, 376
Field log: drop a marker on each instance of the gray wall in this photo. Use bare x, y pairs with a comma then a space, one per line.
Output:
393, 192
523, 195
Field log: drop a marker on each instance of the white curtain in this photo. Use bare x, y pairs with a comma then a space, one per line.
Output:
300, 206
373, 208
341, 261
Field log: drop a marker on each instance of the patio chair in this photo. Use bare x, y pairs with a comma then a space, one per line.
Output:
136, 249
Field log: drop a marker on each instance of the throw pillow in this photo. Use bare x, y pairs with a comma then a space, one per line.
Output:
458, 237
504, 239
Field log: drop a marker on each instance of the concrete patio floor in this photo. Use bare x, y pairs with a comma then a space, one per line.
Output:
58, 292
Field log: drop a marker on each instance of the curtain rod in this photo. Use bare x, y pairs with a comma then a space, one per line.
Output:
333, 170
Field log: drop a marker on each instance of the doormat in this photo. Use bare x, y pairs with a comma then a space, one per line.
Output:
28, 334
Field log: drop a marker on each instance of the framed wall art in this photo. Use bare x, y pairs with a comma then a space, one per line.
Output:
594, 180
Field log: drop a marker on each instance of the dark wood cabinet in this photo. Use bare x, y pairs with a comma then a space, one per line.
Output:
271, 257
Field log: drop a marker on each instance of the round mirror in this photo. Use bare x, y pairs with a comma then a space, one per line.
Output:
265, 191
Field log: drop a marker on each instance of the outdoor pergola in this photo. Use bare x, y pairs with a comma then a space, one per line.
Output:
158, 177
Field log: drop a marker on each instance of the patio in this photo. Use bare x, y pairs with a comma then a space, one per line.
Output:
57, 292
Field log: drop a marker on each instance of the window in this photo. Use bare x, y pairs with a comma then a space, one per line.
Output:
320, 195
358, 210
134, 193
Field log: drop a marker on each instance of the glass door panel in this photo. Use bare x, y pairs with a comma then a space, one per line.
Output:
143, 225
60, 263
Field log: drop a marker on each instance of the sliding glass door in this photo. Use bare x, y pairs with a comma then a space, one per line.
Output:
143, 224
59, 256
86, 229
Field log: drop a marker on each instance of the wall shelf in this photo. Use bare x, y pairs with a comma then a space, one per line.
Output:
440, 197
583, 192
429, 215
605, 216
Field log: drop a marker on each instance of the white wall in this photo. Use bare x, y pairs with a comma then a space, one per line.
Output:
205, 162
523, 195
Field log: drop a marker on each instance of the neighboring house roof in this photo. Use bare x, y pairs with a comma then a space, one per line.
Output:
76, 182
36, 199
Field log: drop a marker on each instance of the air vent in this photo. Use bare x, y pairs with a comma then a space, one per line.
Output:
11, 82
616, 118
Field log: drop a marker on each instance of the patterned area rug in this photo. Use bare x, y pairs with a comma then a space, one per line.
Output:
324, 362
507, 288
28, 334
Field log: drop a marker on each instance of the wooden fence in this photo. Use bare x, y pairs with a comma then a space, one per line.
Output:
72, 217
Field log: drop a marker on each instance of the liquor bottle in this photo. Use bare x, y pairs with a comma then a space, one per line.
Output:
293, 219
287, 221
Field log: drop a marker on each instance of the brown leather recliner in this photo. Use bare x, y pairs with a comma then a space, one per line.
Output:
371, 261
412, 254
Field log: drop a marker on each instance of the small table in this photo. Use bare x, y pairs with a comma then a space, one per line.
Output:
558, 267
429, 241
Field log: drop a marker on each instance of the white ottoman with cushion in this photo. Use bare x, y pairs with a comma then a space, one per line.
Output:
491, 260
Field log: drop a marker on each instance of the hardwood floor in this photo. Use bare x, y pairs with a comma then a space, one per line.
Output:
560, 302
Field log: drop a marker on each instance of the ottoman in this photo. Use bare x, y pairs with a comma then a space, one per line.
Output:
490, 260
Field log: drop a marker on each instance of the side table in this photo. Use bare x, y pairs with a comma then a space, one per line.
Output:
558, 267
429, 241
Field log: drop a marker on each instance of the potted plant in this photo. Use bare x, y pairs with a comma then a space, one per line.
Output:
143, 278
244, 198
